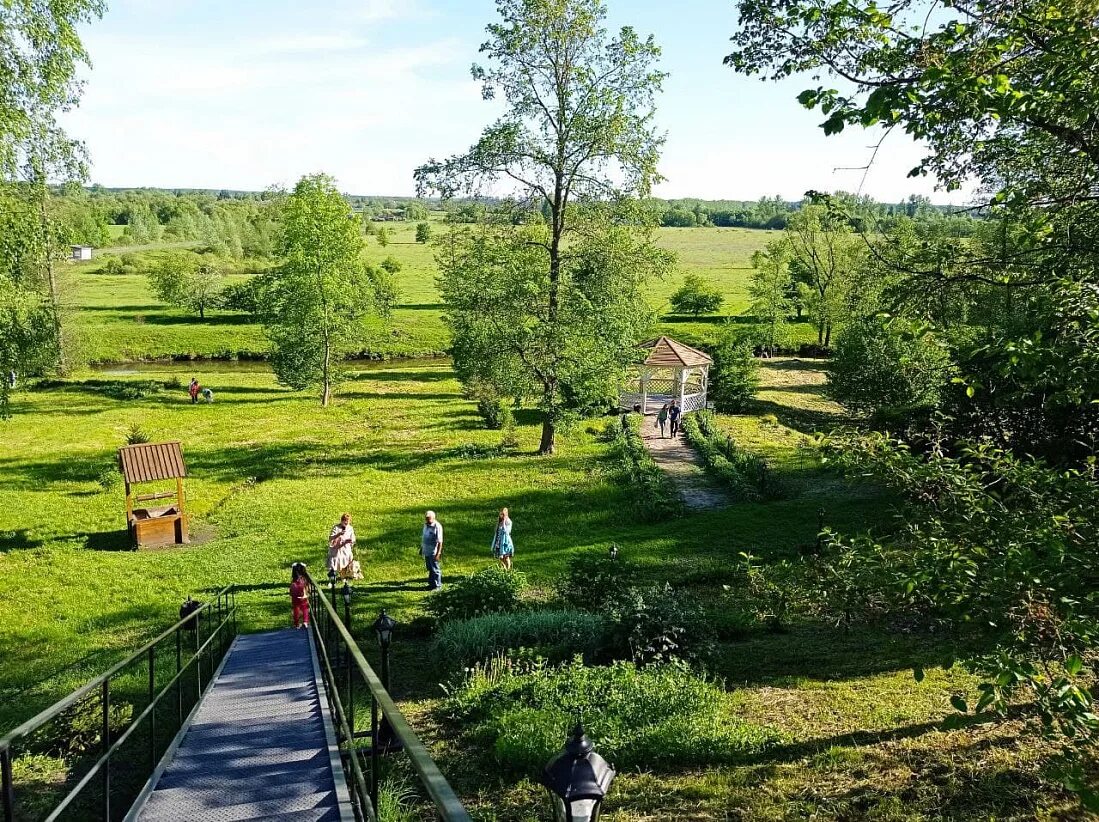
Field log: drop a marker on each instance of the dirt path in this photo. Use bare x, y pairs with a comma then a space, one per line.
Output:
677, 459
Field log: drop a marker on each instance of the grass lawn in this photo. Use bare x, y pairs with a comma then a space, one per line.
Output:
271, 471
117, 318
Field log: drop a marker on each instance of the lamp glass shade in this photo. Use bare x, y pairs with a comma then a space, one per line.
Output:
346, 594
577, 779
383, 627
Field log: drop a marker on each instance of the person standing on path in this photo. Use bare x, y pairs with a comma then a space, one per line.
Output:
299, 596
662, 419
431, 549
502, 546
674, 413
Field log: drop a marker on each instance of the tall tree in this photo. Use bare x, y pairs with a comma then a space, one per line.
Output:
770, 291
577, 129
39, 54
321, 292
824, 257
189, 280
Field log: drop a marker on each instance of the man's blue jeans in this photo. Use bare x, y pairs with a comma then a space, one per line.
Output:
434, 573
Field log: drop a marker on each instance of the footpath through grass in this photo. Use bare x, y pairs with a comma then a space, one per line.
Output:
850, 734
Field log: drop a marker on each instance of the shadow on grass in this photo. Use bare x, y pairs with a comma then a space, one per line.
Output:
190, 319
440, 374
800, 419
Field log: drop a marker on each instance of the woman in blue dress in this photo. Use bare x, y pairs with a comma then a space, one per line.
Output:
502, 546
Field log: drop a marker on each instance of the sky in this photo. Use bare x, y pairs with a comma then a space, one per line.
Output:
253, 93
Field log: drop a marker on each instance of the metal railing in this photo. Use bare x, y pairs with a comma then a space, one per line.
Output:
165, 683
346, 676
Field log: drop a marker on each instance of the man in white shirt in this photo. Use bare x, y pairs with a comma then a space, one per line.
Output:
431, 549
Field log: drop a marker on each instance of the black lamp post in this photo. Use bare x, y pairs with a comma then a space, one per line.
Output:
577, 779
614, 551
383, 627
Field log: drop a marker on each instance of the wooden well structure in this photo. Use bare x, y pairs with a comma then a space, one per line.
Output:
161, 463
670, 371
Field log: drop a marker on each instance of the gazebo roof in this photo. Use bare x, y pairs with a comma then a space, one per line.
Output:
152, 461
665, 352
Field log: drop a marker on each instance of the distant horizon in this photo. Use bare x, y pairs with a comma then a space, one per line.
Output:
253, 94
463, 198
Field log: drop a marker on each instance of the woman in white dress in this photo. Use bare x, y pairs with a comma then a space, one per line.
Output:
341, 555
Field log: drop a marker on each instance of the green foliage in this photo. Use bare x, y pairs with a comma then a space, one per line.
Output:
880, 364
135, 435
1002, 548
188, 280
246, 297
391, 264
564, 322
659, 624
556, 635
490, 590
595, 580
734, 376
321, 293
654, 717
652, 493
423, 232
697, 296
747, 475
382, 236
771, 291
493, 408
497, 289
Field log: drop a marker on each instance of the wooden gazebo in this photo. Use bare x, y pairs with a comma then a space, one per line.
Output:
670, 371
156, 462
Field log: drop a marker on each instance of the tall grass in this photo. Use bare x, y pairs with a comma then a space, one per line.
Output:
557, 634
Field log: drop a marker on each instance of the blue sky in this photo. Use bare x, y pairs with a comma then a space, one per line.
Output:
251, 93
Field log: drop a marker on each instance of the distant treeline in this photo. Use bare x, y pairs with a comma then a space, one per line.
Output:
235, 223
865, 214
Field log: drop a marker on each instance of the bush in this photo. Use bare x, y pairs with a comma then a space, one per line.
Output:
595, 581
658, 716
246, 297
697, 296
654, 496
135, 435
391, 264
883, 365
659, 624
488, 591
492, 407
556, 635
734, 377
423, 232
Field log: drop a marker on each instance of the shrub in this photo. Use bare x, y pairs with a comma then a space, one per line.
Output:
654, 496
651, 717
490, 590
881, 365
423, 232
659, 624
391, 264
556, 635
135, 435
595, 581
173, 384
697, 296
492, 407
734, 377
509, 440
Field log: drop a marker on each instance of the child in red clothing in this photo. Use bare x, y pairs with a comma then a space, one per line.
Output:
299, 595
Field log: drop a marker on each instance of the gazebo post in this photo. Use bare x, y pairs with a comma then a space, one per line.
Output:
644, 391
683, 374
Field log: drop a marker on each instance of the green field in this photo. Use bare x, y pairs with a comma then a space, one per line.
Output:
271, 470
117, 318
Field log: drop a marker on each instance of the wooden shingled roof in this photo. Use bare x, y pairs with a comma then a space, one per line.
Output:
151, 461
664, 352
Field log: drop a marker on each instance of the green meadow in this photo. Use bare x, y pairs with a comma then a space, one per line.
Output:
116, 318
852, 735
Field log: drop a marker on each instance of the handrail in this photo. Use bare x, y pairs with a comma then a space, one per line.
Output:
224, 605
446, 802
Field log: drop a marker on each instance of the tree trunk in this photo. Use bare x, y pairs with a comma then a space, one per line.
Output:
828, 336
820, 333
548, 444
51, 274
326, 390
201, 311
